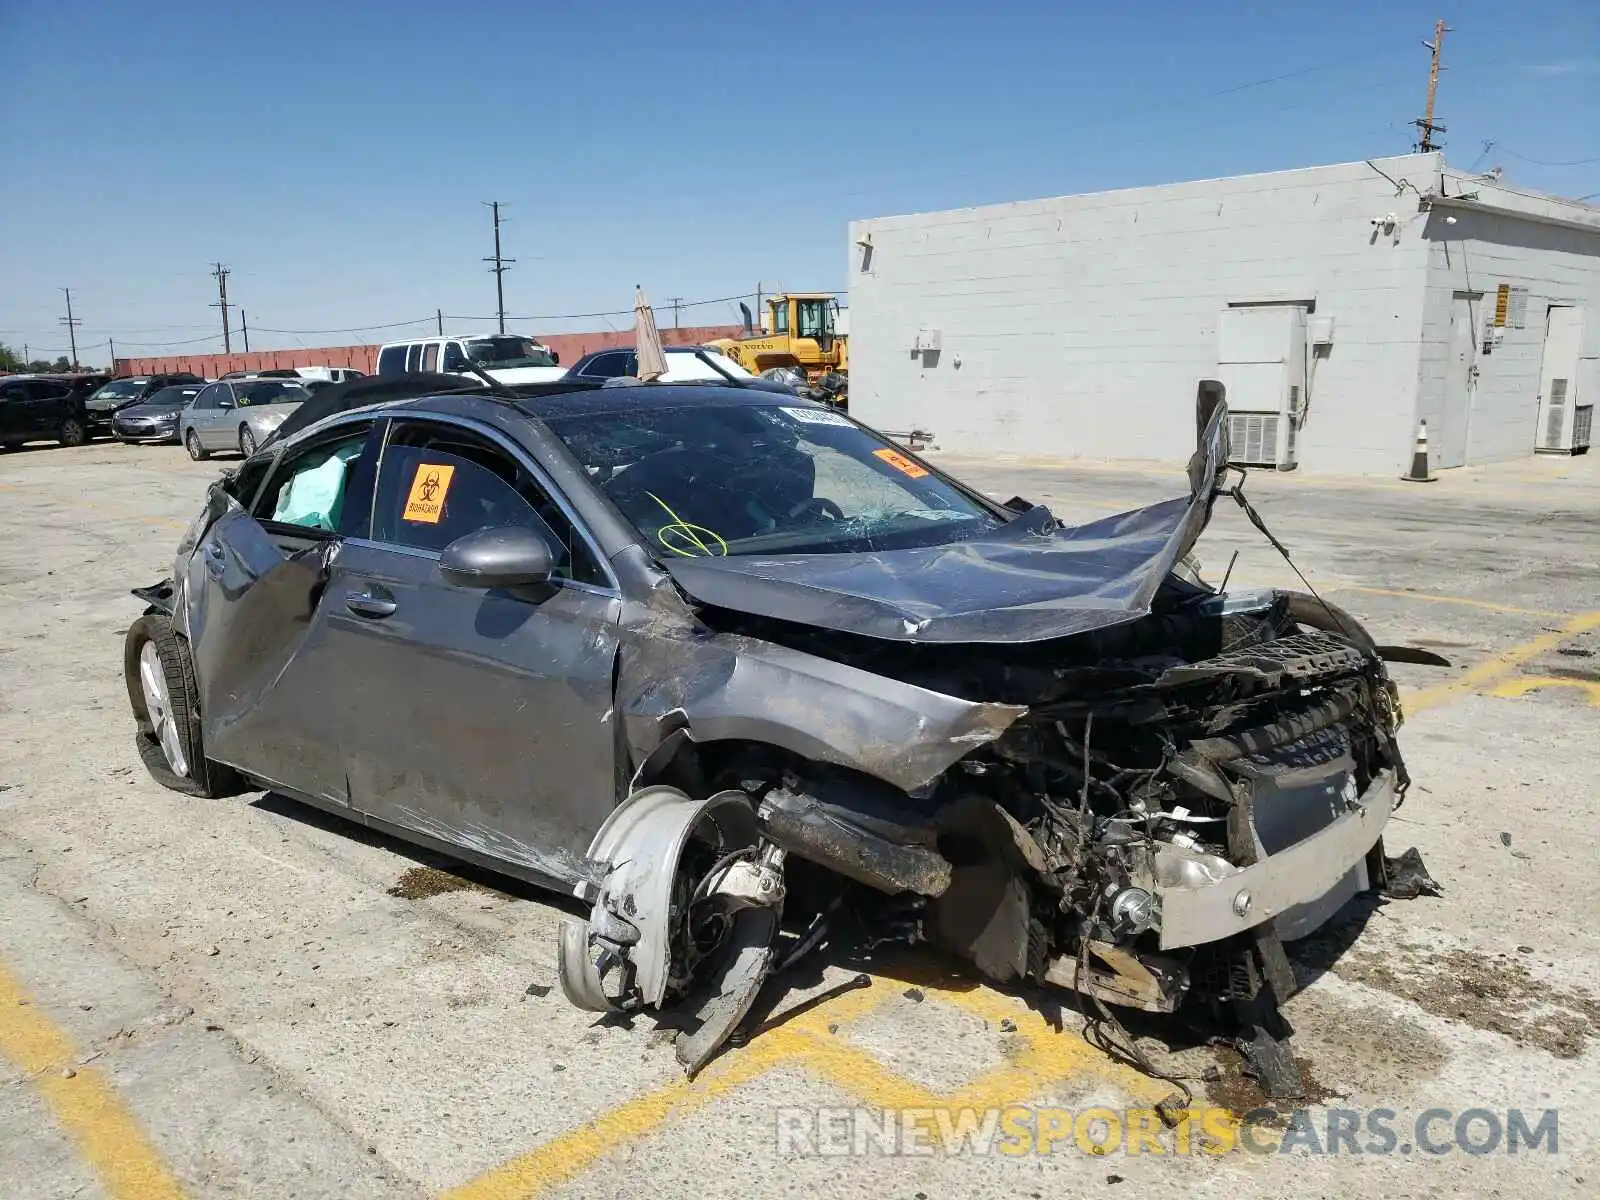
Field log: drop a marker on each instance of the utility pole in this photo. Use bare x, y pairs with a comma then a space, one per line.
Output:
111, 345
244, 328
72, 323
438, 315
501, 266
221, 276
676, 301
1426, 124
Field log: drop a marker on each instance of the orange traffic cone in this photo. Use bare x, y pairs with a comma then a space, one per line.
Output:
1419, 472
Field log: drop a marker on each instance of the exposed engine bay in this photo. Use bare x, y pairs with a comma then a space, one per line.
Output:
1172, 799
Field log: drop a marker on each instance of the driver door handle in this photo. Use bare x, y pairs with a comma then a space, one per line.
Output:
364, 604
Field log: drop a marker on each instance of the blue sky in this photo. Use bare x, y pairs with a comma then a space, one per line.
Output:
335, 155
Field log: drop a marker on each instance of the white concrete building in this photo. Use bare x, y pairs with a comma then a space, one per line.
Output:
1340, 305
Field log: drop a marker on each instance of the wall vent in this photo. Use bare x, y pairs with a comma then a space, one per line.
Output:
1253, 439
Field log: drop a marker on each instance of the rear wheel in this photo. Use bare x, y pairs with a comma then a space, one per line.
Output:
191, 443
73, 432
166, 708
247, 441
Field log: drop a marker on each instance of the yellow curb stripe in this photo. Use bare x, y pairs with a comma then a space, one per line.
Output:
1497, 666
1521, 687
569, 1154
85, 1106
1437, 599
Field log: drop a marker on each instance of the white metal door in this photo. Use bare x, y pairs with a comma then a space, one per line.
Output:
1449, 445
1558, 376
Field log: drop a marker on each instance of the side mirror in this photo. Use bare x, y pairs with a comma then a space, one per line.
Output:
509, 556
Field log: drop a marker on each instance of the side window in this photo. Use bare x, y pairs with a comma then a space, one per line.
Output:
438, 483
206, 399
224, 396
323, 487
45, 389
392, 360
430, 356
12, 391
455, 359
780, 318
413, 357
605, 366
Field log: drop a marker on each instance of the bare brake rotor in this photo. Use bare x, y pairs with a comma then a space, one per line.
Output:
688, 909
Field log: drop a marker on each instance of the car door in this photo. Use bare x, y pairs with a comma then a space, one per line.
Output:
256, 610
480, 718
13, 409
47, 406
217, 419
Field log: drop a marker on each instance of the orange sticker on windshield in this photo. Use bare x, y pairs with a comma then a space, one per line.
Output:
429, 486
900, 463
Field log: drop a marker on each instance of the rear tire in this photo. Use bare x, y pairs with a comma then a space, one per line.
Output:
191, 443
166, 708
73, 432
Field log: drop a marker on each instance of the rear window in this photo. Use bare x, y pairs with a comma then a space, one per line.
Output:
268, 391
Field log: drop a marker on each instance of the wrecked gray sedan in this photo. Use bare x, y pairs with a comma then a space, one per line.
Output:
737, 671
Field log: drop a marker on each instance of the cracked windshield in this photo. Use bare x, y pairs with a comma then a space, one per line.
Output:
754, 479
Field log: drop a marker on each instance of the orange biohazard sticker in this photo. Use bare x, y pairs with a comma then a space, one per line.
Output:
429, 486
900, 463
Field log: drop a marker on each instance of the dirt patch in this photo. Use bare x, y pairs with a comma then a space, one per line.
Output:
1236, 1090
1497, 994
418, 883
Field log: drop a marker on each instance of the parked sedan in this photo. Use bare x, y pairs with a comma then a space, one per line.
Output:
695, 653
155, 419
118, 394
238, 415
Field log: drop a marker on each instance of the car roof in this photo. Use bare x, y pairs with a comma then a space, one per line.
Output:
550, 405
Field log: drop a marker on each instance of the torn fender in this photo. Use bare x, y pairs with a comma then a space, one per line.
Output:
727, 686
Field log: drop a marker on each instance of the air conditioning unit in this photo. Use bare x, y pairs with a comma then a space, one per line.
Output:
1261, 360
1565, 426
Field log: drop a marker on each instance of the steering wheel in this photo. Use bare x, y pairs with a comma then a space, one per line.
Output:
818, 508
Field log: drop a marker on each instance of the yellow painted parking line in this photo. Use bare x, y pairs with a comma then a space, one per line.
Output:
1043, 1057
1434, 598
571, 1153
1521, 687
84, 1105
1497, 666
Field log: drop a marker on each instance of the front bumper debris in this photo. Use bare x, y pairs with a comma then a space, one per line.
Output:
1237, 899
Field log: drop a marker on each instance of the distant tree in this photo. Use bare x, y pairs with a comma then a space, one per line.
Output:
10, 360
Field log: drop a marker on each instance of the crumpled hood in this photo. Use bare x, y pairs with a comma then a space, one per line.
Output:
1024, 583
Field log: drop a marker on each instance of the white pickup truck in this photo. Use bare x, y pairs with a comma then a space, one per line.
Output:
508, 357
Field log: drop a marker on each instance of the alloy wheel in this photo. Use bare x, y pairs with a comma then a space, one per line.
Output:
158, 707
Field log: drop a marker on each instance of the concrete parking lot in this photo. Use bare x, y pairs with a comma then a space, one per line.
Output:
247, 998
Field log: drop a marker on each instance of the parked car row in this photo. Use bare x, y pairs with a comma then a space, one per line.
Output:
237, 412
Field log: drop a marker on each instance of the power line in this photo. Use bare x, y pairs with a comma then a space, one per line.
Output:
352, 328
613, 312
1540, 162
